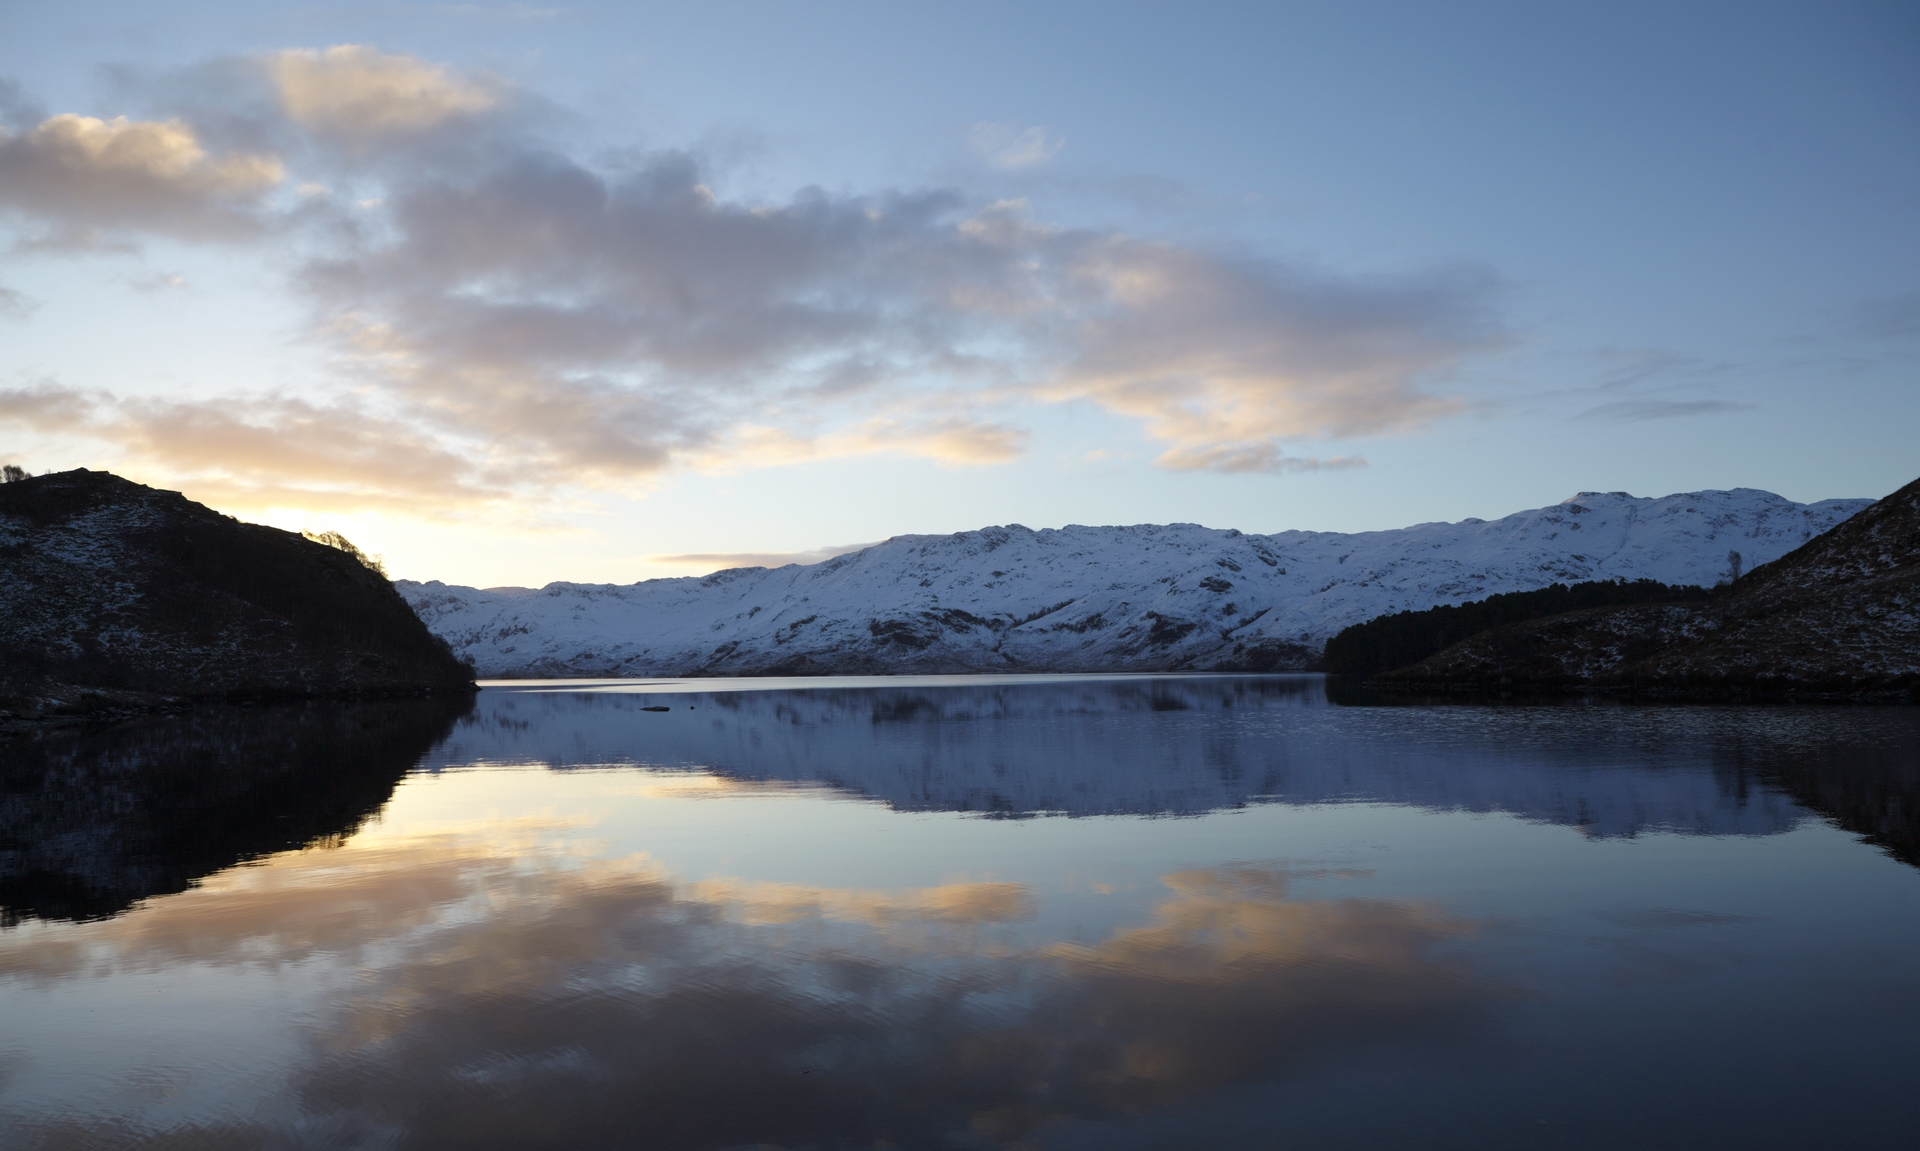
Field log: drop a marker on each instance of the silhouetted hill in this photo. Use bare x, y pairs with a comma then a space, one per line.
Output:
1390, 641
111, 587
1838, 616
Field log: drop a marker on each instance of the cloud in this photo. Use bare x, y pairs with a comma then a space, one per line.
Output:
1005, 146
46, 407
80, 174
261, 452
1254, 457
17, 109
1633, 411
1891, 317
718, 561
608, 325
1217, 353
511, 311
16, 305
160, 282
361, 94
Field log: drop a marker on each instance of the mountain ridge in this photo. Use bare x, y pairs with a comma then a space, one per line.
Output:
1144, 597
1837, 616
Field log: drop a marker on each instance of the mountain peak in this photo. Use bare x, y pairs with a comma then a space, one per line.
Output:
1144, 597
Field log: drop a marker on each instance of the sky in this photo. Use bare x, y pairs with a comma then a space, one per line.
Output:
512, 293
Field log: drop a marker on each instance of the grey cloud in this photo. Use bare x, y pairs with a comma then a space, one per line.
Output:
610, 324
1892, 317
618, 323
16, 305
1633, 411
80, 175
46, 407
160, 282
1254, 457
732, 1014
1630, 367
267, 451
17, 109
1210, 352
516, 307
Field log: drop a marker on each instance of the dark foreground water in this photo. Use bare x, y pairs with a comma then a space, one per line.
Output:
1203, 912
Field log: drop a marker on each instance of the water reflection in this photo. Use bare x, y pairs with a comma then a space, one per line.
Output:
1185, 746
607, 1004
93, 821
708, 945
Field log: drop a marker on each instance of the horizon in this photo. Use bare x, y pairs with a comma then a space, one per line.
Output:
775, 560
513, 295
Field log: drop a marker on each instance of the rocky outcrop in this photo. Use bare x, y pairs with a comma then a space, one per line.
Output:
1838, 617
1175, 597
118, 598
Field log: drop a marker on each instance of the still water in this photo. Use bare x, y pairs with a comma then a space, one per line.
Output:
1046, 912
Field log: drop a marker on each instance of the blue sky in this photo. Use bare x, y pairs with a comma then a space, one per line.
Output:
513, 293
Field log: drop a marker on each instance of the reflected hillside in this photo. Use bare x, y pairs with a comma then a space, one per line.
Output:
91, 822
1183, 746
1872, 791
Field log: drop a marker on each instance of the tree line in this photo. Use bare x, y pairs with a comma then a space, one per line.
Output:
1387, 642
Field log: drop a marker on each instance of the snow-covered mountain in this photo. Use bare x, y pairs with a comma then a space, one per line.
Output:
1142, 598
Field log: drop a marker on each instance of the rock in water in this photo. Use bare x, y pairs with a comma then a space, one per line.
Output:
112, 588
1839, 616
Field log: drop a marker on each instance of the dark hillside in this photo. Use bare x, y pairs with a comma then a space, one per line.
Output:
1838, 617
1390, 641
112, 585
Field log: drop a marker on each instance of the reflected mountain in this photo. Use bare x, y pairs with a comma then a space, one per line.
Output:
93, 821
1185, 746
493, 967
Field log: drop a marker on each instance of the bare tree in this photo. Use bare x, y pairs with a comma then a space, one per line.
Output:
342, 543
13, 473
1734, 565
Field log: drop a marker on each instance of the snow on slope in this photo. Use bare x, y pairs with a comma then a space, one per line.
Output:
1143, 598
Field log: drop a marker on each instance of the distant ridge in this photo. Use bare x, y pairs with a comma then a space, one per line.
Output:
1839, 616
1142, 598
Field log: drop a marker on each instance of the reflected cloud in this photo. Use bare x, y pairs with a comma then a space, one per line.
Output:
513, 987
525, 1028
736, 1013
762, 902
